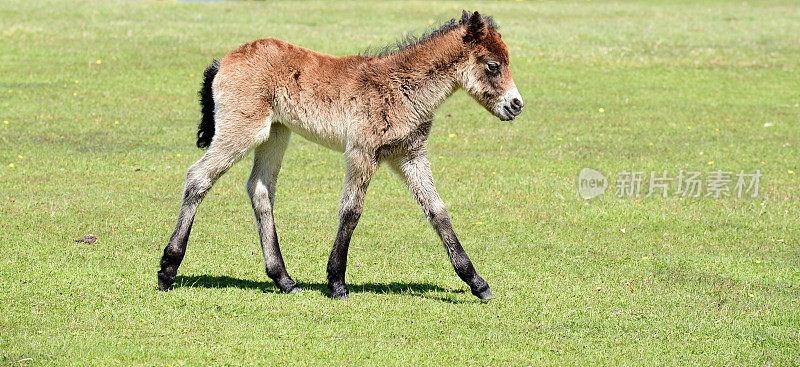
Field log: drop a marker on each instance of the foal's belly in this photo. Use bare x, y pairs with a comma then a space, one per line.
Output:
330, 133
322, 122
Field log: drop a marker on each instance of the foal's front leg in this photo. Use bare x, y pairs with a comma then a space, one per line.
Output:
360, 168
416, 171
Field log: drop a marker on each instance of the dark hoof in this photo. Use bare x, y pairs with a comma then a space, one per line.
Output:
338, 290
484, 295
165, 281
340, 293
287, 285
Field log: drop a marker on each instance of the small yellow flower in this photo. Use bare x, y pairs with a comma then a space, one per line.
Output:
559, 139
98, 62
568, 92
323, 162
710, 163
76, 81
651, 144
717, 129
601, 109
191, 75
752, 295
440, 157
494, 173
11, 165
598, 288
138, 229
5, 122
452, 135
791, 172
74, 94
478, 223
688, 128
178, 155
762, 162
645, 257
758, 261
19, 156
116, 122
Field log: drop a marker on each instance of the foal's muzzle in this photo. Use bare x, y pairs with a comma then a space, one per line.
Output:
509, 106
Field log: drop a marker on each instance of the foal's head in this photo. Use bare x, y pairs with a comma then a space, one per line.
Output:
486, 75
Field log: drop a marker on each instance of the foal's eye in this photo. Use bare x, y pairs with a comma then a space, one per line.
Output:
492, 66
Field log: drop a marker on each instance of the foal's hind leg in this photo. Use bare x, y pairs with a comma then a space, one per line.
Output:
360, 168
233, 139
261, 187
199, 179
416, 171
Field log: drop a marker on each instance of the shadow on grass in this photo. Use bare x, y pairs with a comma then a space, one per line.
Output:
416, 289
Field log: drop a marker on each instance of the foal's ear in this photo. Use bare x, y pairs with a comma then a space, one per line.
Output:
476, 27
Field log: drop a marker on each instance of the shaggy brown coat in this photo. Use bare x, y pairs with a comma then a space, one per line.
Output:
373, 108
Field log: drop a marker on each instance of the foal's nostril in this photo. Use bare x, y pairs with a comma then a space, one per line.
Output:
516, 103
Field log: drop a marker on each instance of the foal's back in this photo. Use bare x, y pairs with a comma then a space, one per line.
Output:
314, 94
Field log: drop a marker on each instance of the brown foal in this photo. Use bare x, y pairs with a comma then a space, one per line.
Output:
373, 108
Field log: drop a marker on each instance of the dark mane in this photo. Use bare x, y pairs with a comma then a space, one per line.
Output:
410, 40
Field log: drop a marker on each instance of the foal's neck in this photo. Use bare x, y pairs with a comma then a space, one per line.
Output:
431, 68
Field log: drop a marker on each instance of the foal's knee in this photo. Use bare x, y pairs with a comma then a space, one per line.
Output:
254, 188
260, 195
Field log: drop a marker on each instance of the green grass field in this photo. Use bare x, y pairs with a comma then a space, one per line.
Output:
99, 113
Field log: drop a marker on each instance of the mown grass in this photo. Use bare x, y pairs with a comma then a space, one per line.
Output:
99, 100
